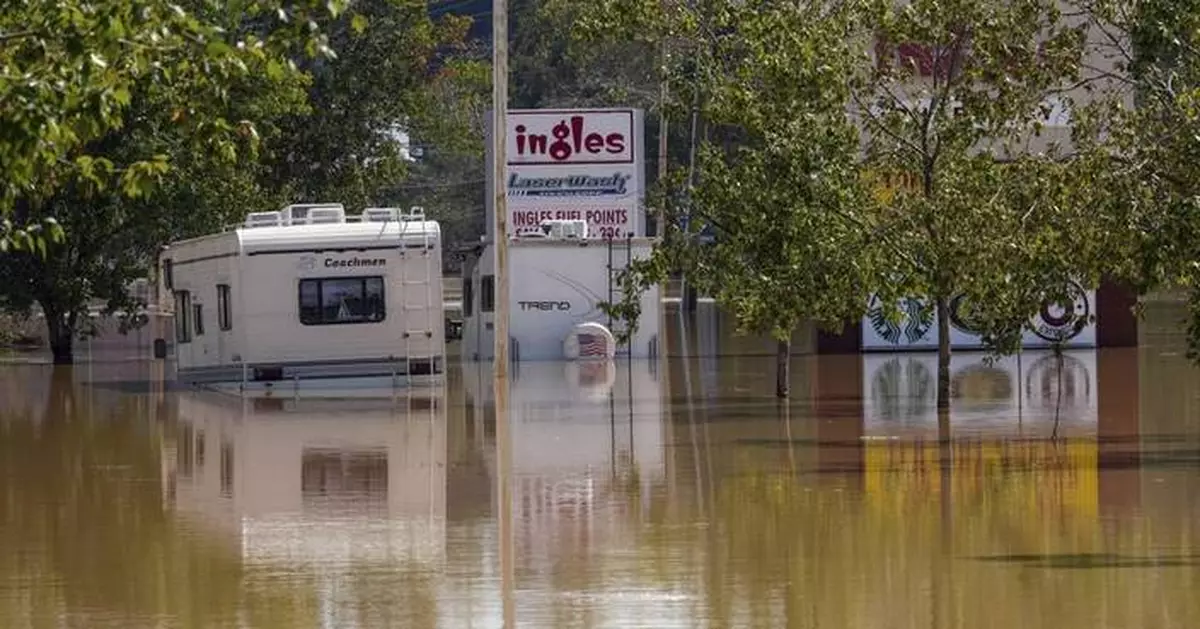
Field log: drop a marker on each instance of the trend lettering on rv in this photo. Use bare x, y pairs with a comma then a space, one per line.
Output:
592, 299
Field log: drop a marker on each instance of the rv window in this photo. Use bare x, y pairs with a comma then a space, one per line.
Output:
468, 296
224, 314
487, 293
335, 300
198, 315
183, 310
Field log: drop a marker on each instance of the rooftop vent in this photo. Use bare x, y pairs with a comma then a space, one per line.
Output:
308, 213
326, 215
263, 219
385, 214
380, 214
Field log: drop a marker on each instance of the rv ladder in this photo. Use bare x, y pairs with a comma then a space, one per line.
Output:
414, 300
614, 273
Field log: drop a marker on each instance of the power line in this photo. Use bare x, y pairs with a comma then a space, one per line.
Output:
455, 184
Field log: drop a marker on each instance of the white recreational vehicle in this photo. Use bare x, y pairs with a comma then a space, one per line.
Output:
309, 294
559, 277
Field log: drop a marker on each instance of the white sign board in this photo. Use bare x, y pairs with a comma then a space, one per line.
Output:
1072, 323
573, 164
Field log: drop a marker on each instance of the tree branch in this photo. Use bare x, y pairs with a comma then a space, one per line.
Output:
874, 120
7, 37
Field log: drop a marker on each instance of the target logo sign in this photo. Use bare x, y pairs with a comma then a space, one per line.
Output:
1061, 321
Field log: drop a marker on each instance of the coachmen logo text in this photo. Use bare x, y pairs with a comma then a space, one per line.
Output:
568, 186
331, 263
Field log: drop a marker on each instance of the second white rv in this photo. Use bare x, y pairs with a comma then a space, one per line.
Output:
309, 294
558, 280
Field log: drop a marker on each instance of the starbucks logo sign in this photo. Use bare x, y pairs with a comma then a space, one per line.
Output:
915, 321
960, 315
1061, 321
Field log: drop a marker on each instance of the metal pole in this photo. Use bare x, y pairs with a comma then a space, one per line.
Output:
500, 324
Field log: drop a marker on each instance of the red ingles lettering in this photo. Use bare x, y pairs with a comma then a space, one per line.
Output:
571, 141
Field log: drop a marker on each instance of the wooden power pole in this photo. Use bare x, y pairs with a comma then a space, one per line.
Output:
500, 325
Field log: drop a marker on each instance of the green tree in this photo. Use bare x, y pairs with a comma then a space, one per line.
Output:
446, 176
308, 128
381, 93
955, 97
69, 71
113, 238
1150, 191
395, 119
778, 181
958, 100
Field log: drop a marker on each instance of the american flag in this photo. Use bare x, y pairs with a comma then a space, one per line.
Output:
592, 344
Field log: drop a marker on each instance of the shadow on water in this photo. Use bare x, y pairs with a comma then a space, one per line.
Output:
1096, 560
644, 494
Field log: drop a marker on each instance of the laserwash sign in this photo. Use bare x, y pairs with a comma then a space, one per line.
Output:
573, 164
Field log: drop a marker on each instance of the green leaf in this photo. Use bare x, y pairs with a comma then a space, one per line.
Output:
358, 23
217, 48
275, 70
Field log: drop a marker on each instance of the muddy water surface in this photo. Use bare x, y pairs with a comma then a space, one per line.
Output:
642, 495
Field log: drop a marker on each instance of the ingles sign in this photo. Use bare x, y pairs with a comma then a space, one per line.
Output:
571, 137
584, 164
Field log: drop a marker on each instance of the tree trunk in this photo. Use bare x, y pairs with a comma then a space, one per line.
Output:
943, 372
690, 297
783, 361
60, 335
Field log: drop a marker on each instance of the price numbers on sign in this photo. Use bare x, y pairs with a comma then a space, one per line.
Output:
602, 223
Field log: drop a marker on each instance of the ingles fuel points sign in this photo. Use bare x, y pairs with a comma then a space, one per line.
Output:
574, 164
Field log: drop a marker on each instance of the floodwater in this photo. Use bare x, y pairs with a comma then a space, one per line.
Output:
673, 494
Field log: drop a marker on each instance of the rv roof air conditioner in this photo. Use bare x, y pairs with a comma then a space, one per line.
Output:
306, 213
564, 229
263, 219
326, 215
385, 214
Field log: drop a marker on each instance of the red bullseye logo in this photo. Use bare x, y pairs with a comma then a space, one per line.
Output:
1057, 322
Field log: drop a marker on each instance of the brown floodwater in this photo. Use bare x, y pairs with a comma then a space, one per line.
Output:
676, 494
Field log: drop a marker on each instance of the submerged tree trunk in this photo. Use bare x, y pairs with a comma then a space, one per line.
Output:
943, 371
60, 334
783, 356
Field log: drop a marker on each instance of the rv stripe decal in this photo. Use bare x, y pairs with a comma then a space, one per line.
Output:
204, 259
279, 252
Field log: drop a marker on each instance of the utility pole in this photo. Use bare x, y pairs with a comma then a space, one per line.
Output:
661, 223
500, 324
499, 170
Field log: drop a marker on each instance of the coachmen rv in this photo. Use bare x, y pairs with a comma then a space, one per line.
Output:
309, 296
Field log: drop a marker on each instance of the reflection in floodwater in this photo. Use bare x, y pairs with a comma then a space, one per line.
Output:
1062, 498
985, 394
